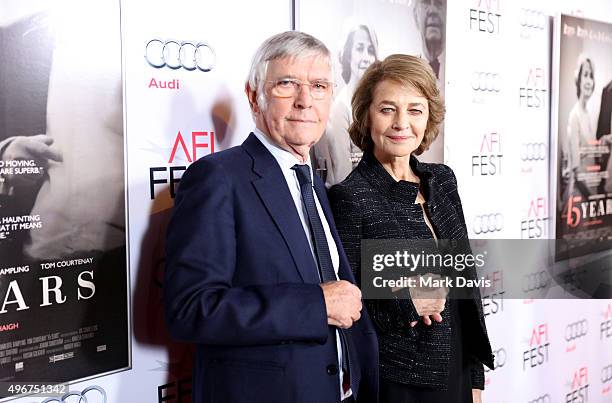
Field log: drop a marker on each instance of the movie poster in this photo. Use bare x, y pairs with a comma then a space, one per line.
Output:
583, 166
63, 271
359, 32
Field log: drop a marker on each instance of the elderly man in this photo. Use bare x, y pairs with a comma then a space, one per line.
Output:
256, 274
430, 18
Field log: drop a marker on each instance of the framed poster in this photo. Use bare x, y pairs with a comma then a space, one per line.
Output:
582, 187
359, 32
63, 267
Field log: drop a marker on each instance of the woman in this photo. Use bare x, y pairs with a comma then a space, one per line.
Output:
391, 195
580, 131
335, 153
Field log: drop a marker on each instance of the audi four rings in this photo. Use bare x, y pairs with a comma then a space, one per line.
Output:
485, 81
542, 399
488, 223
534, 151
500, 357
536, 281
576, 330
606, 374
90, 391
533, 19
175, 55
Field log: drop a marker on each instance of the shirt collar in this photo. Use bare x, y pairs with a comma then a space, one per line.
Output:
285, 159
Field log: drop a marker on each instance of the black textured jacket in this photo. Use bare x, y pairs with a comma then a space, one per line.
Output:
370, 204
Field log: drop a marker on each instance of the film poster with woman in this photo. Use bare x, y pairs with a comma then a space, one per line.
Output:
358, 33
583, 164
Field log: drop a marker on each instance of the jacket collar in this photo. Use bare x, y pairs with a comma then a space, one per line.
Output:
402, 190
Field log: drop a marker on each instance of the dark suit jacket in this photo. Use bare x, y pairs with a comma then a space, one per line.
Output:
370, 204
241, 282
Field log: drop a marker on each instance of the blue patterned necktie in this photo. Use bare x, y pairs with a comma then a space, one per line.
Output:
319, 240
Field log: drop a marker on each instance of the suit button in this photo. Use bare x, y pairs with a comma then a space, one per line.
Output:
332, 369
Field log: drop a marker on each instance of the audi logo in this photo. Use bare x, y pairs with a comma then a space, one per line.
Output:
541, 399
534, 19
488, 223
80, 397
500, 358
606, 374
533, 151
484, 81
535, 281
176, 55
576, 330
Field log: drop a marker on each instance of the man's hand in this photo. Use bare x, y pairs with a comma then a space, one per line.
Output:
343, 303
476, 395
38, 148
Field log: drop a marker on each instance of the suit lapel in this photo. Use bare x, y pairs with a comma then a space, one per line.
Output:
271, 187
344, 270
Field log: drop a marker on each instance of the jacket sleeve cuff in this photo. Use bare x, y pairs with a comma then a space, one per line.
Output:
477, 375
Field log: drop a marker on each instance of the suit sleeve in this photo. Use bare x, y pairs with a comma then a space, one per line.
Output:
201, 304
387, 314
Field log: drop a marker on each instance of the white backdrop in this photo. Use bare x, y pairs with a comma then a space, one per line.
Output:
492, 126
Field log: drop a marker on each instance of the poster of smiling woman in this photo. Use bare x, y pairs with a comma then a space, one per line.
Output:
358, 33
583, 188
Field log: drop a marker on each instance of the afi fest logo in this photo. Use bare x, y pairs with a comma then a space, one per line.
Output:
579, 389
533, 93
539, 343
175, 392
535, 225
493, 302
485, 16
171, 175
488, 162
605, 328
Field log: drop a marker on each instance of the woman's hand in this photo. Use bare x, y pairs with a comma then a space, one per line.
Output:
429, 309
476, 395
429, 302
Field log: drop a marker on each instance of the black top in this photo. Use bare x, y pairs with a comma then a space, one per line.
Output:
370, 204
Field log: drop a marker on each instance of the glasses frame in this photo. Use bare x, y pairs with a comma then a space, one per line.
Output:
299, 83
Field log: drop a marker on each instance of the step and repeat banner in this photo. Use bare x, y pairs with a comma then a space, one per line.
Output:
104, 105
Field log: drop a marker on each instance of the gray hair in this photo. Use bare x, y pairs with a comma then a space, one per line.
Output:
293, 44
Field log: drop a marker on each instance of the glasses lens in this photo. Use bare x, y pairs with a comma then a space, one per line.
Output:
284, 88
319, 89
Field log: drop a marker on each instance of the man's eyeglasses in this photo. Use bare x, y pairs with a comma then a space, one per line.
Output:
289, 87
440, 4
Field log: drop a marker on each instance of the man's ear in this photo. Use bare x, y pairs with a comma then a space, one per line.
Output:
252, 97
